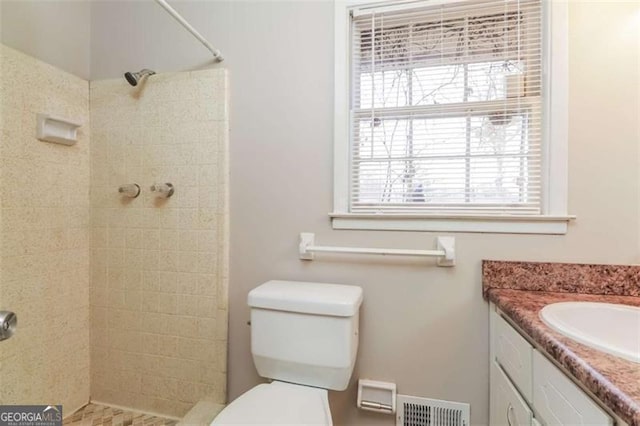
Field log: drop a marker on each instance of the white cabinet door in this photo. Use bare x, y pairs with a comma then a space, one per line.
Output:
558, 401
514, 354
507, 406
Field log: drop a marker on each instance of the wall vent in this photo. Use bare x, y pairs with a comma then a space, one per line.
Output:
414, 411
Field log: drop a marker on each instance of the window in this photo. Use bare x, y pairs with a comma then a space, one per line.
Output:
445, 116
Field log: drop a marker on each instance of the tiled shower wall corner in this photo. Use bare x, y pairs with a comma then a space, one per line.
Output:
44, 229
159, 267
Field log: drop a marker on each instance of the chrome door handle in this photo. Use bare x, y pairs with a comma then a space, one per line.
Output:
8, 324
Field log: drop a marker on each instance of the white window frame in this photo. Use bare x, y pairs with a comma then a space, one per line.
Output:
553, 220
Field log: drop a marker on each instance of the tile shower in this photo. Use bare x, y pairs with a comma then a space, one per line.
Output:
45, 234
138, 287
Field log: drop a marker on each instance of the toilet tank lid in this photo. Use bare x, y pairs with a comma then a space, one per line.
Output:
304, 297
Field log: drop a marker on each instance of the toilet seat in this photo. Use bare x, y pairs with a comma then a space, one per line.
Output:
278, 403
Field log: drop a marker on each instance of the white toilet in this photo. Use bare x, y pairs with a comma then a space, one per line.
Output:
304, 336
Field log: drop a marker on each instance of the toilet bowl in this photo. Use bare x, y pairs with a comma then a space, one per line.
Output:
278, 403
304, 337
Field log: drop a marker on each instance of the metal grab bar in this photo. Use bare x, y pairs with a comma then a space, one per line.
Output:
444, 252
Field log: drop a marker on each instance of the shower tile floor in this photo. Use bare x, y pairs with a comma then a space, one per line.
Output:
101, 415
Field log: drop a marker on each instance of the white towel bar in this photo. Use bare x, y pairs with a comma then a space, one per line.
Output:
445, 250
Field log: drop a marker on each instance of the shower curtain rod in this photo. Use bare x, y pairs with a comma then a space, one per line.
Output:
216, 53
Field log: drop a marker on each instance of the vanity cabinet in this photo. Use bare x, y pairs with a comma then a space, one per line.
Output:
507, 406
515, 356
528, 390
559, 401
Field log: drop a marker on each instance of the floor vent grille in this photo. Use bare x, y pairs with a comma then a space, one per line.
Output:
413, 411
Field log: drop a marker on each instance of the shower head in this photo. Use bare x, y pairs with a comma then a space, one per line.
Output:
134, 77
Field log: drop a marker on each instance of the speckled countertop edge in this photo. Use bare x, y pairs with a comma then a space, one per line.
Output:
614, 381
620, 280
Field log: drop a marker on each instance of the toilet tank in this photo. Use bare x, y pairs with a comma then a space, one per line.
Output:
305, 333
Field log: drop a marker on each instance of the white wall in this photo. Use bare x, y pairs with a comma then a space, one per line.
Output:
423, 327
56, 32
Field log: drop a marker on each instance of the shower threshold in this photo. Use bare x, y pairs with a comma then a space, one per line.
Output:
102, 415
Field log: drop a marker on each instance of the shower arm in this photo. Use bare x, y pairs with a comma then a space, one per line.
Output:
216, 53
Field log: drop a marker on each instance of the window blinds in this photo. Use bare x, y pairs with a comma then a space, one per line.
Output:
446, 109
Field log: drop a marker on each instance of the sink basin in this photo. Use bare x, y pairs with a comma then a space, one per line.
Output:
614, 329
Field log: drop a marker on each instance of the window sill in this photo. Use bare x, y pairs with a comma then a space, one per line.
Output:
507, 224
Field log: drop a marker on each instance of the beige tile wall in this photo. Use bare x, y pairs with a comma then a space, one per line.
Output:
44, 237
159, 267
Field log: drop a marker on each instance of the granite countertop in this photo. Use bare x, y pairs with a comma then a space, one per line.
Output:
613, 380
